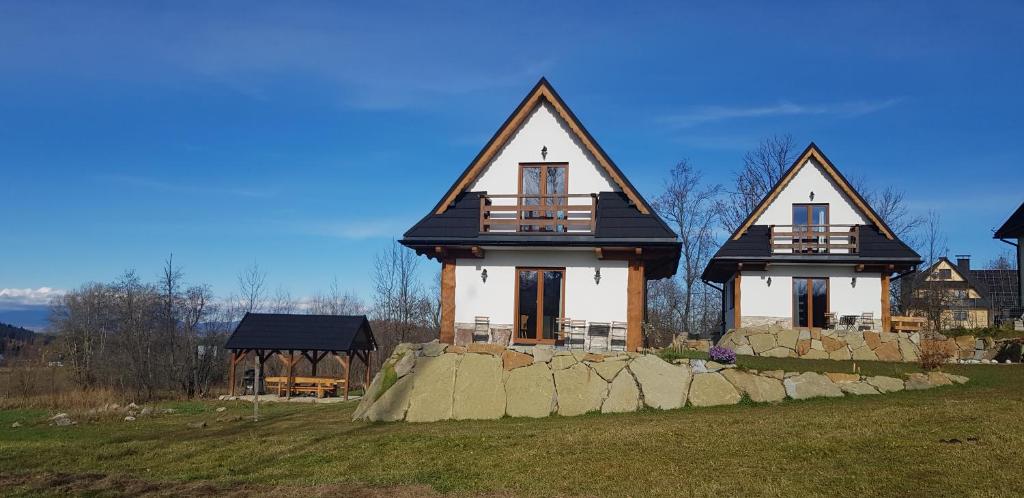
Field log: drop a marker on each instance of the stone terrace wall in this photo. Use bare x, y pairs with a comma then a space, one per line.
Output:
781, 342
432, 381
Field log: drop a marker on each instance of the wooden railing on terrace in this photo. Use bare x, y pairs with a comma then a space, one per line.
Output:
815, 239
532, 214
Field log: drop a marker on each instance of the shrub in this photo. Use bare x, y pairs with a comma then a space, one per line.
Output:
722, 355
934, 354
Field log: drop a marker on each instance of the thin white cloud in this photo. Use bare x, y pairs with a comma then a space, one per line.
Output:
712, 114
187, 189
29, 296
354, 230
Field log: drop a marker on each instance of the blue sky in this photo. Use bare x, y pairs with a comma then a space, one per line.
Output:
305, 137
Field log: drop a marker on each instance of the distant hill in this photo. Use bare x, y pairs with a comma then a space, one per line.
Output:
13, 338
33, 317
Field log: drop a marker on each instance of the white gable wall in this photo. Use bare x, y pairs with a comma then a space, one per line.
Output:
758, 299
811, 178
584, 299
543, 128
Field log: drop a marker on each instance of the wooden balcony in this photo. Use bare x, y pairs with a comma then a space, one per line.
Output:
814, 239
572, 214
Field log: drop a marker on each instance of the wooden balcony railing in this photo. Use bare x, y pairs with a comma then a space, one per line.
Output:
815, 239
546, 214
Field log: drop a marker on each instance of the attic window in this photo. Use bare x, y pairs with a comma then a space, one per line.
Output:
945, 274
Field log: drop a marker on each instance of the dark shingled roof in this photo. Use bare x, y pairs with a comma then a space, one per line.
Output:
1014, 226
617, 223
303, 332
753, 246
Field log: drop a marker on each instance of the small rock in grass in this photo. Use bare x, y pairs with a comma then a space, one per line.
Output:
61, 419
197, 425
15, 425
221, 409
132, 406
129, 418
146, 411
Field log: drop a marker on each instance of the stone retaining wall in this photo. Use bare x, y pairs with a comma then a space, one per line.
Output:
432, 381
781, 342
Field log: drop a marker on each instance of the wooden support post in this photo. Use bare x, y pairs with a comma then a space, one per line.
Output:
886, 312
737, 317
291, 374
447, 334
635, 283
231, 373
347, 363
366, 375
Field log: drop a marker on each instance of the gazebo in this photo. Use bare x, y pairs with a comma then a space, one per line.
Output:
313, 337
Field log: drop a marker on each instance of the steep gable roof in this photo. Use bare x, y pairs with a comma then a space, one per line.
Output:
1014, 226
541, 92
813, 152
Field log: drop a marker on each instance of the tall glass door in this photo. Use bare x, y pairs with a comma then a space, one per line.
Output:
810, 302
544, 186
539, 298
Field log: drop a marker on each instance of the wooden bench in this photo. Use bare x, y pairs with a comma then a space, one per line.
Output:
907, 323
307, 385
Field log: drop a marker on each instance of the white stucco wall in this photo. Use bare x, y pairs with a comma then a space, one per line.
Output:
758, 299
543, 128
811, 178
584, 299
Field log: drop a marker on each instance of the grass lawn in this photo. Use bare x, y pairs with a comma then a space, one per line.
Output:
878, 445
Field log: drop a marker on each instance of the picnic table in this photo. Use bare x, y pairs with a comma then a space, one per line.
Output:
320, 386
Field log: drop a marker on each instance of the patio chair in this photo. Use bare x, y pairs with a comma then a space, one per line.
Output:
598, 332
830, 321
564, 329
577, 334
867, 321
618, 336
481, 329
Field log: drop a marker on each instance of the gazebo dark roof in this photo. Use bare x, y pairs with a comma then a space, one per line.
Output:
1014, 226
273, 331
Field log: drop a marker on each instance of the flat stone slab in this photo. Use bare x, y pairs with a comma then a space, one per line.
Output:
580, 390
886, 384
712, 389
512, 360
392, 405
530, 392
858, 388
663, 385
434, 389
811, 385
759, 388
623, 394
479, 390
560, 361
610, 368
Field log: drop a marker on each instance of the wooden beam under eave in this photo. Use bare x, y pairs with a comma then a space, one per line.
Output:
477, 251
860, 268
599, 253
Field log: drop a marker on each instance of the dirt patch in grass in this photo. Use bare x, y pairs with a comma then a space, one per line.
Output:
58, 483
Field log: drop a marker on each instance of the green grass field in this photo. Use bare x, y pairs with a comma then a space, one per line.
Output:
886, 445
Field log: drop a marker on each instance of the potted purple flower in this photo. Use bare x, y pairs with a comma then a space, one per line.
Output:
722, 355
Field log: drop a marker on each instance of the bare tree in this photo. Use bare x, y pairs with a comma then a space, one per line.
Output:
933, 243
282, 302
336, 302
762, 169
1006, 260
689, 205
252, 289
399, 301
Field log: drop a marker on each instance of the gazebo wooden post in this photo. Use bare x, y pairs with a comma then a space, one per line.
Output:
348, 363
366, 376
291, 373
231, 373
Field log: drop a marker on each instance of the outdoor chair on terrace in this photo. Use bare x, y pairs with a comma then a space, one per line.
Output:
848, 321
564, 329
867, 321
481, 329
577, 334
618, 336
598, 333
830, 321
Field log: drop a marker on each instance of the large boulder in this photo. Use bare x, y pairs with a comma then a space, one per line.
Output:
623, 394
711, 389
815, 354
778, 352
864, 353
787, 338
580, 390
370, 396
608, 370
886, 384
760, 389
530, 391
811, 385
543, 354
908, 350
433, 348
434, 389
393, 403
889, 351
405, 364
663, 385
562, 359
512, 360
872, 339
842, 353
762, 342
479, 390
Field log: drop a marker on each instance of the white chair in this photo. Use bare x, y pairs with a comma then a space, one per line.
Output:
618, 336
481, 329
